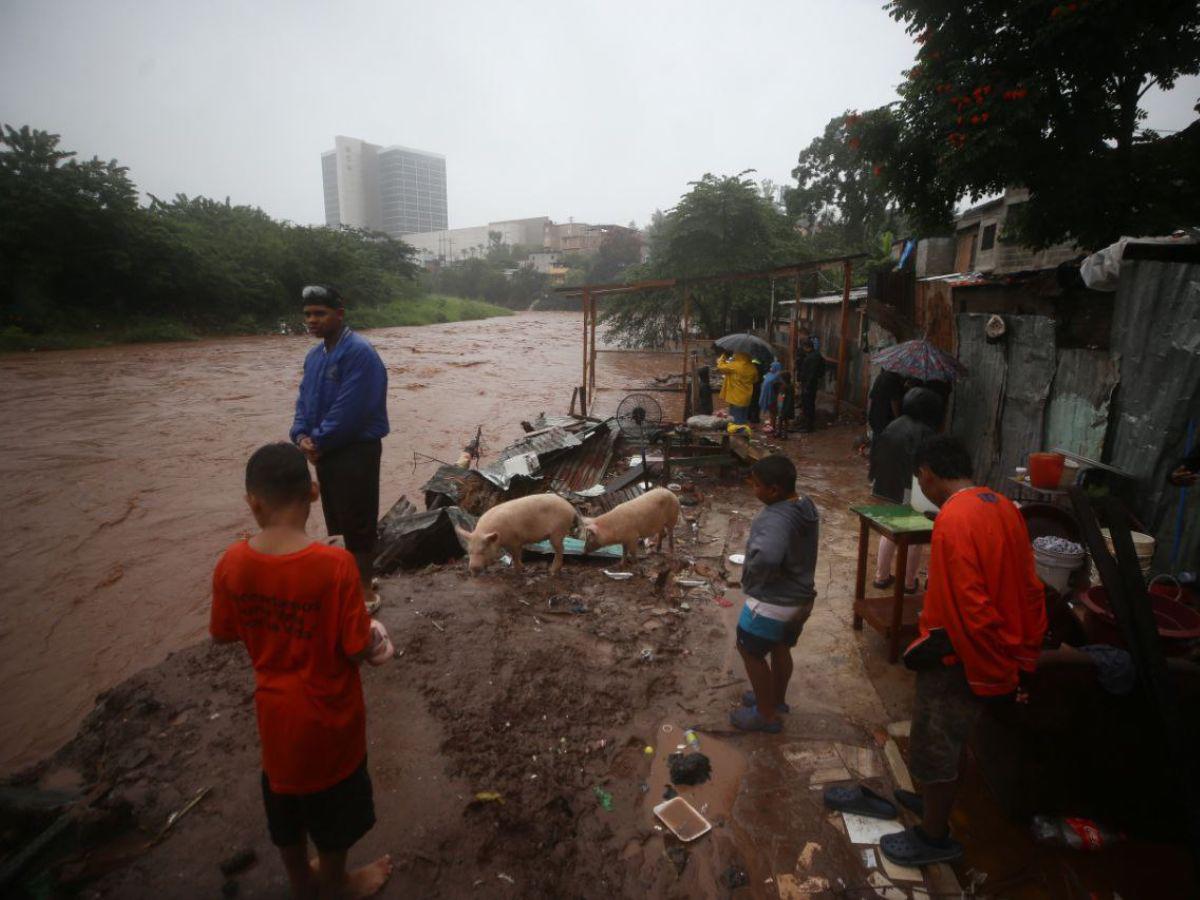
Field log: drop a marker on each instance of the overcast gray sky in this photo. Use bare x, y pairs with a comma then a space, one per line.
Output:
600, 110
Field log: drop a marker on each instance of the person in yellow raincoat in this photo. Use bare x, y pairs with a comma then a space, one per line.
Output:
740, 375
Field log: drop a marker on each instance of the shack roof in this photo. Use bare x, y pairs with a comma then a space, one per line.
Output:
832, 299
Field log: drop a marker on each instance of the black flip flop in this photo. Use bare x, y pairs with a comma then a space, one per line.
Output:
910, 801
908, 848
860, 800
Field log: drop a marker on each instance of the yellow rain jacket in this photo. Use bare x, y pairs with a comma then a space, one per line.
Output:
740, 375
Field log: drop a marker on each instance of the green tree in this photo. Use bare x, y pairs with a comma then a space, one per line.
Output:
839, 197
723, 224
1045, 95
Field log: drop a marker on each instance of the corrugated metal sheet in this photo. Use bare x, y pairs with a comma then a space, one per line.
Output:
999, 409
1156, 331
586, 466
1031, 362
977, 398
1077, 417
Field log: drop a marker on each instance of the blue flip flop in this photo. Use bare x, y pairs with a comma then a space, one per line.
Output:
748, 699
747, 718
860, 800
910, 848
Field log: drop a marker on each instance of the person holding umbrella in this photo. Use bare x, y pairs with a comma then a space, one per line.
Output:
740, 377
739, 353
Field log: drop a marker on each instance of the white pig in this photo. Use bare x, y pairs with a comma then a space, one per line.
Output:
515, 523
651, 515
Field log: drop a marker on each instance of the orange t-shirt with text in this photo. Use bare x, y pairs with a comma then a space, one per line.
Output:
301, 616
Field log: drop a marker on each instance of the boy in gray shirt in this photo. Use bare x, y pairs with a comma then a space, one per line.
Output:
777, 579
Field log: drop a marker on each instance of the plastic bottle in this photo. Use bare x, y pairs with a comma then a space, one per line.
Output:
692, 740
1076, 833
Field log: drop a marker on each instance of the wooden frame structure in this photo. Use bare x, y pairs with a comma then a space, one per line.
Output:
590, 294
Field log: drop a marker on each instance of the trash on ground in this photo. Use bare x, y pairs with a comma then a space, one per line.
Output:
674, 488
506, 878
737, 558
410, 539
647, 655
618, 576
806, 855
575, 547
884, 888
863, 830
691, 582
1076, 833
689, 768
567, 603
180, 813
604, 797
489, 797
792, 888
722, 602
682, 819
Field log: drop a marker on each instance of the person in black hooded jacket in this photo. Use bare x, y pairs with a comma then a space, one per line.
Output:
892, 455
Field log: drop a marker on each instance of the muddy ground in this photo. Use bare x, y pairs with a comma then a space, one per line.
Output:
497, 690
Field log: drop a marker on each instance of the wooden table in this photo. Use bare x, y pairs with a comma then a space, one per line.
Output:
891, 613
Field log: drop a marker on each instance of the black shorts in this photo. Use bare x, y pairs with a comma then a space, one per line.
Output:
759, 647
336, 817
349, 478
944, 713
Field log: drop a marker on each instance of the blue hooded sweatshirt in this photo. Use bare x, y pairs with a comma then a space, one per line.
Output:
343, 394
770, 387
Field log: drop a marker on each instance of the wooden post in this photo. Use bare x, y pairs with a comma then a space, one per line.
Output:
583, 390
592, 379
843, 340
687, 327
792, 331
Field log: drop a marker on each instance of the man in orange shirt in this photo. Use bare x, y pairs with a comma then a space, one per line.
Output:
297, 606
982, 624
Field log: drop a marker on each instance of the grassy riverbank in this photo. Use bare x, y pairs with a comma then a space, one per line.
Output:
431, 309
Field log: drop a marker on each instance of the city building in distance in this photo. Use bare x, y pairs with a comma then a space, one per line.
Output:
396, 190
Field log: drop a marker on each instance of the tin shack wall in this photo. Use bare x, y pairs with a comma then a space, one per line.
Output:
1156, 330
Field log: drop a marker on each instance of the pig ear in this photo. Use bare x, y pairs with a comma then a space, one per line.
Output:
492, 537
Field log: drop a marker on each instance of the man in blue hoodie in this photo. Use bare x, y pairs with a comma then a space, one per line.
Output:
340, 421
777, 579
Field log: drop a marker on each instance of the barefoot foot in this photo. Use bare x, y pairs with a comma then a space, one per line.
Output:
367, 881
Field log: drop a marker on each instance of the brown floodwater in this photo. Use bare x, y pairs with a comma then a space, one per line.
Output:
123, 466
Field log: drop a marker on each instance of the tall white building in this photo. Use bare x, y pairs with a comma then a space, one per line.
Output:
394, 189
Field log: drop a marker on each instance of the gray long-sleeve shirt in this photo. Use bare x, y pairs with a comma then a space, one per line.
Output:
781, 554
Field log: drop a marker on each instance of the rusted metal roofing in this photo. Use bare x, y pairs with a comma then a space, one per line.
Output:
580, 469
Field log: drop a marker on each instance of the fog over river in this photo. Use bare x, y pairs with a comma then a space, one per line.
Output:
123, 480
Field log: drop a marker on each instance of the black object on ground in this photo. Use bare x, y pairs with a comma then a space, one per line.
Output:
861, 800
669, 793
689, 768
240, 861
735, 877
410, 539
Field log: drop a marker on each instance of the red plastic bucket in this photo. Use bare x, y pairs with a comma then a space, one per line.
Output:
1046, 469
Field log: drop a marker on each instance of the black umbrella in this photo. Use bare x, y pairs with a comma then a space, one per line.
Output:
754, 347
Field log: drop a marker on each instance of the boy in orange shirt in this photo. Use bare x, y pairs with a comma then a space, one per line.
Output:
981, 625
297, 606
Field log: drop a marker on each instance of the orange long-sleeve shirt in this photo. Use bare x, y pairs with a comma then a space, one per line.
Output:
984, 590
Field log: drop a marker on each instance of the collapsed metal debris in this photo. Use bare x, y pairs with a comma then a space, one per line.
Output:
567, 455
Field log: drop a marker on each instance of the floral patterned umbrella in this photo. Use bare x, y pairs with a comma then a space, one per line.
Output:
920, 360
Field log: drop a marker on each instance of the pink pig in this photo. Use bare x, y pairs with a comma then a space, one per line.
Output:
515, 523
651, 515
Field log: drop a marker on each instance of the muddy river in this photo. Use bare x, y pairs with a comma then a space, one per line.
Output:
123, 467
